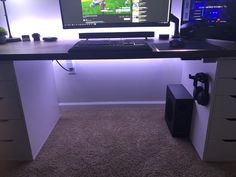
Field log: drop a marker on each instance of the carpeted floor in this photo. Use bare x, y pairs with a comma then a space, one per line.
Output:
116, 141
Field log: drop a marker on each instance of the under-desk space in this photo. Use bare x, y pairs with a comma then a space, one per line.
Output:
37, 105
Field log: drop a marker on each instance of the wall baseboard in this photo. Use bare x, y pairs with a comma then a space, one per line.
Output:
72, 105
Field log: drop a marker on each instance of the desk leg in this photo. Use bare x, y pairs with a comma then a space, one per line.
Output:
37, 90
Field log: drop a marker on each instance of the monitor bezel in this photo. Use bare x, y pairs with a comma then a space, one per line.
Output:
116, 25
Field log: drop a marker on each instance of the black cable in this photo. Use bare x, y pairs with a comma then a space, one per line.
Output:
62, 66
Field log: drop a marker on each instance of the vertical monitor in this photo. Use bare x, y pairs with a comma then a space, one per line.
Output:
114, 13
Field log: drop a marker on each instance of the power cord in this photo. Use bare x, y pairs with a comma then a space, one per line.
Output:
68, 70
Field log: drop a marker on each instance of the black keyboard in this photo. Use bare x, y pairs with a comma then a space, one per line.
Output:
110, 46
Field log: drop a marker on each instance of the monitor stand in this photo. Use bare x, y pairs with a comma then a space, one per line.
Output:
176, 41
143, 34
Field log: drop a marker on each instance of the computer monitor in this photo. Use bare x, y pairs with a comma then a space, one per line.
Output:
209, 19
114, 13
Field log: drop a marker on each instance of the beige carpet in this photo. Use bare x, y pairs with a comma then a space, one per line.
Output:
116, 141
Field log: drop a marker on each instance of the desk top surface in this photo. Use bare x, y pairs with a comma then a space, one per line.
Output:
58, 50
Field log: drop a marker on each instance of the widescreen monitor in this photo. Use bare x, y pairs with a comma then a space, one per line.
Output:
114, 13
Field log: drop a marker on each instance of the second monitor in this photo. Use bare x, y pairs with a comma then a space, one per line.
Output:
114, 13
209, 19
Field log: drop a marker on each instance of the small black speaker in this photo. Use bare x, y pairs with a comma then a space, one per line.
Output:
178, 110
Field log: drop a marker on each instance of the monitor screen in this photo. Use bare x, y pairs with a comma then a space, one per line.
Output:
219, 12
209, 19
114, 13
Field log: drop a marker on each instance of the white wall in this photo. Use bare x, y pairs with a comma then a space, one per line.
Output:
43, 16
95, 81
117, 80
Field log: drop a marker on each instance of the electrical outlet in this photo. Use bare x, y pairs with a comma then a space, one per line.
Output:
70, 66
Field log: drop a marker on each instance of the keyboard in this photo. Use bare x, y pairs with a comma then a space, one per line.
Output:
110, 46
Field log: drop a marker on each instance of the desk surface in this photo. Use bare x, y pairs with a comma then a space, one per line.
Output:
58, 50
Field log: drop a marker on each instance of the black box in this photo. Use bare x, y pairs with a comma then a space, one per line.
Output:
178, 110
